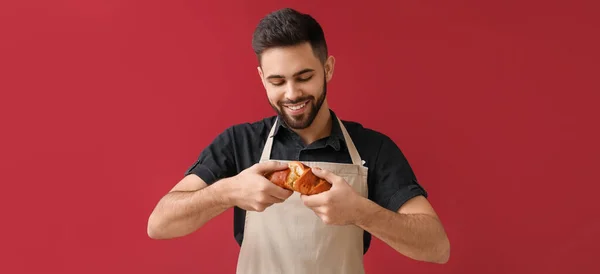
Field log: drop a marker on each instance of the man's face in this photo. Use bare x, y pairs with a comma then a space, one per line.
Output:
296, 83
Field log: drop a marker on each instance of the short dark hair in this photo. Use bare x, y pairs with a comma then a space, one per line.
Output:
288, 27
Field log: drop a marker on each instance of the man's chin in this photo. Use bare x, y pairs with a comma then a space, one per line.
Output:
300, 122
297, 121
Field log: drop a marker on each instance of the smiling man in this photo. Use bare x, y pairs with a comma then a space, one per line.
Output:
374, 190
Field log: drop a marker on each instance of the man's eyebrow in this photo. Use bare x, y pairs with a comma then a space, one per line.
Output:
295, 74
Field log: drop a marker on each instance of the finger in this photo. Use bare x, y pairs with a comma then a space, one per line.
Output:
327, 175
268, 166
277, 191
262, 207
319, 211
313, 201
268, 199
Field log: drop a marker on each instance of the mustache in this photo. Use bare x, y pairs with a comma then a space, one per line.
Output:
291, 102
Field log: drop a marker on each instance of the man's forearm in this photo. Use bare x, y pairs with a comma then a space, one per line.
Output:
182, 212
417, 236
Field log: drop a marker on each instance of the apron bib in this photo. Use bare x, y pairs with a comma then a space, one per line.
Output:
290, 238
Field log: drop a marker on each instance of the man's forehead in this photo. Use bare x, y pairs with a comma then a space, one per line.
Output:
288, 61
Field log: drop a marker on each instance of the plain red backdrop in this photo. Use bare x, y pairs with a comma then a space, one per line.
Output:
104, 105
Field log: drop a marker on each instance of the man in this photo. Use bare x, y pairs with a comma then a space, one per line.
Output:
374, 191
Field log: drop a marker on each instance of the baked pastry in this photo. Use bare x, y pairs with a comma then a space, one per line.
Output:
299, 177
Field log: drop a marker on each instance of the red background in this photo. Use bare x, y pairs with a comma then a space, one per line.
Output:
104, 105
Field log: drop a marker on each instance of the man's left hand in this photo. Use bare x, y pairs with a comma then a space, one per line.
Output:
337, 206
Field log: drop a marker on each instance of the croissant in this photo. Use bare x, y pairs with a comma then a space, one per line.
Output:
299, 177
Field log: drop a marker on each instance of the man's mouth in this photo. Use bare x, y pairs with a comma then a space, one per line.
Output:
297, 106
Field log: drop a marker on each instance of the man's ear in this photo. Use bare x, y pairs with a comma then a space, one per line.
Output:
260, 74
329, 66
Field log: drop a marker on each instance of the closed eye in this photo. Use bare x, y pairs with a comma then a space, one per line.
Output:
277, 83
304, 79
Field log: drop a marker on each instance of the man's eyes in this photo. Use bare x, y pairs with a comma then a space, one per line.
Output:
299, 79
304, 79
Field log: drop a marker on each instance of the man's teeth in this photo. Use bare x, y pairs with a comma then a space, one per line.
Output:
296, 107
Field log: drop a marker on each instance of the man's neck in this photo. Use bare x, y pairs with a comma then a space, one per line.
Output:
320, 127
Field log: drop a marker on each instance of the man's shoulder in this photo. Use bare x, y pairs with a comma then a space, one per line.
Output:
358, 130
253, 128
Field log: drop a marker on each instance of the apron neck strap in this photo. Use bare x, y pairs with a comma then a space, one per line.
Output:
266, 153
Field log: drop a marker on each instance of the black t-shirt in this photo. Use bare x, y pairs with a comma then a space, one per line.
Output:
391, 181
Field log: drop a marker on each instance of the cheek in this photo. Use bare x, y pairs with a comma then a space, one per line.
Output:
274, 95
313, 88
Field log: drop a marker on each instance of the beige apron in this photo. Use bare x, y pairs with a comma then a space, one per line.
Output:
290, 238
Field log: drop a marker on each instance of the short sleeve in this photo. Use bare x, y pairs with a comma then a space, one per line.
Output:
394, 182
216, 161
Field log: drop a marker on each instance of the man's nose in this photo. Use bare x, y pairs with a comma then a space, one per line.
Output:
292, 92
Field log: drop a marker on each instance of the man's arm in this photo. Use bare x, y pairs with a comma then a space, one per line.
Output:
187, 207
396, 211
191, 203
200, 195
415, 230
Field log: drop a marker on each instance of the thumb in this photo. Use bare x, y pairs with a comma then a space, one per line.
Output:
325, 174
268, 166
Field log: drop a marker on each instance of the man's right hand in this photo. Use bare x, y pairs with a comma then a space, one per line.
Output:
252, 191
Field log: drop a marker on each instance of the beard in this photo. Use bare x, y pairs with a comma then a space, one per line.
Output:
305, 119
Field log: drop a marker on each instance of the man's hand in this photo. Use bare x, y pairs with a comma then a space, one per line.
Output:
337, 205
250, 190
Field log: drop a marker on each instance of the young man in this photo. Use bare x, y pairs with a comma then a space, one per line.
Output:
374, 191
